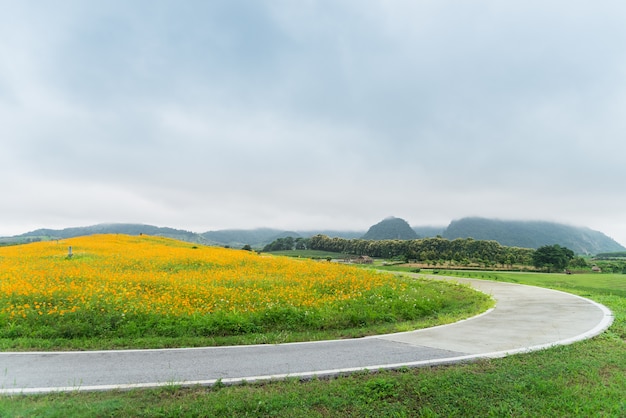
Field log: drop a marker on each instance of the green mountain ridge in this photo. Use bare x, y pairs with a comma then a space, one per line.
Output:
532, 234
525, 234
235, 238
391, 228
107, 228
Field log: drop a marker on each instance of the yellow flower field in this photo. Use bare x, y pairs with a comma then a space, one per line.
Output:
158, 275
129, 287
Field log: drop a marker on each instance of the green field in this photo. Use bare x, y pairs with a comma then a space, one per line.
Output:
582, 284
314, 254
585, 379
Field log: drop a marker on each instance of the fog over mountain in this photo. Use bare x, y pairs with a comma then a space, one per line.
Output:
532, 234
526, 234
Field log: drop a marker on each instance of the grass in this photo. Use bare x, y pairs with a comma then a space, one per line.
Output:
584, 379
313, 254
588, 284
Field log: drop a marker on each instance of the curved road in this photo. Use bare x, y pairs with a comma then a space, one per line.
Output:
525, 318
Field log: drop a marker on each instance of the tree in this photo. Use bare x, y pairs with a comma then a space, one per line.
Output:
280, 244
552, 257
578, 262
301, 243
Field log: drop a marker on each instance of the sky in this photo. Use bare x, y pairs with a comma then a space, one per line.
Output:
301, 115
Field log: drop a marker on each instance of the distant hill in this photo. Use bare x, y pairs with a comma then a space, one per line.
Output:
527, 234
391, 228
235, 238
116, 228
258, 238
332, 233
532, 234
240, 237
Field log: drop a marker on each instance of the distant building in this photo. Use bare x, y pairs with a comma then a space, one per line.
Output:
363, 259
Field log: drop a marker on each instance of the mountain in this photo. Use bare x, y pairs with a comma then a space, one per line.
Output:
118, 228
236, 238
241, 237
391, 228
527, 234
258, 238
333, 234
532, 234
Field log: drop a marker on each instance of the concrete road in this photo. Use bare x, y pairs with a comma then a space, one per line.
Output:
525, 319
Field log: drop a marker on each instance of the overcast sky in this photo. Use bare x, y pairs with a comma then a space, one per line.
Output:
206, 115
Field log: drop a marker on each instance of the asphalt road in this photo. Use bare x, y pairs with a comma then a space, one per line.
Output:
525, 319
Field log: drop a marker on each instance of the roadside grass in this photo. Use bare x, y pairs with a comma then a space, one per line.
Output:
584, 379
581, 284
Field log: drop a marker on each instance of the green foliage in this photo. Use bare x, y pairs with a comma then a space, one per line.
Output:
287, 244
611, 266
552, 257
578, 262
532, 234
390, 228
427, 250
617, 254
380, 389
524, 234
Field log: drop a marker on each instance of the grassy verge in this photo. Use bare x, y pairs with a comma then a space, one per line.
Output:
580, 380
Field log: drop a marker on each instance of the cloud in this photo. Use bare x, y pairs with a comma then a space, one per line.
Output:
311, 114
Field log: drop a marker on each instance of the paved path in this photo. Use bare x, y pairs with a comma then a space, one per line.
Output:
525, 318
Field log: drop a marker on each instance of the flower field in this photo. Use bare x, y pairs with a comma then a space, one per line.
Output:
119, 286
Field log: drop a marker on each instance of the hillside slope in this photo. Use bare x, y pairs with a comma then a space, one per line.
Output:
115, 228
391, 228
240, 237
526, 234
257, 238
532, 234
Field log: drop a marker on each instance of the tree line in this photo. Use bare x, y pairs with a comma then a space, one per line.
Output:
462, 251
458, 252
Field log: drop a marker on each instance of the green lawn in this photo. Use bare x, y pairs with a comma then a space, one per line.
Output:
585, 379
582, 284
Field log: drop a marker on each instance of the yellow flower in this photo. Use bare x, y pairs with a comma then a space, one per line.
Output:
131, 274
